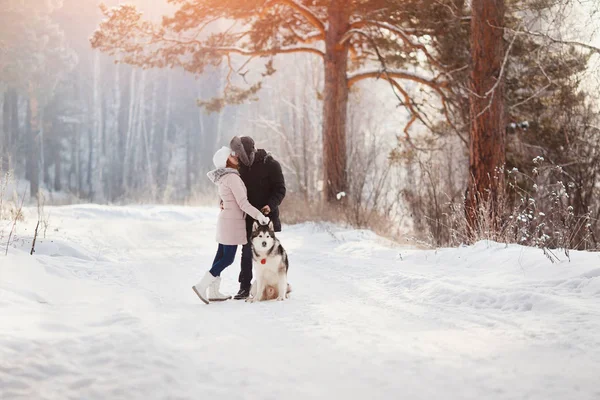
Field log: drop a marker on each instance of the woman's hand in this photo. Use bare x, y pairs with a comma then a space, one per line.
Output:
263, 219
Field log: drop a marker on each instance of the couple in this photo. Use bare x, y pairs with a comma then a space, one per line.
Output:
251, 186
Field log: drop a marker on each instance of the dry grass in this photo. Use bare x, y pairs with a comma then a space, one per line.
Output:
11, 210
542, 217
295, 210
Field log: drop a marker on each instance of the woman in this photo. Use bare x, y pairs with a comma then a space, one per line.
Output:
231, 225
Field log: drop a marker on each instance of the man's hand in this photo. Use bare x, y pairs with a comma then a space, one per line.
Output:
266, 210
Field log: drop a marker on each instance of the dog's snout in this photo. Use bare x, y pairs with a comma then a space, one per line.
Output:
264, 244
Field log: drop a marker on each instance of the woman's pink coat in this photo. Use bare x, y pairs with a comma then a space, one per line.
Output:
231, 225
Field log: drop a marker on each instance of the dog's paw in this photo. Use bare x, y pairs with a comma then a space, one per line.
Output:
250, 300
280, 298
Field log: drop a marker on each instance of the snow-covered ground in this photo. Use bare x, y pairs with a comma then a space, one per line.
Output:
105, 310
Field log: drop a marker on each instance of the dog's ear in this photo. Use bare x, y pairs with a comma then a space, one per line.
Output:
255, 226
271, 227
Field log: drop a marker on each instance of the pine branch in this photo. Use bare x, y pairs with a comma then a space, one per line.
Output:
402, 33
263, 53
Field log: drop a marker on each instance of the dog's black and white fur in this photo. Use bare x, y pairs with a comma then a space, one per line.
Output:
270, 265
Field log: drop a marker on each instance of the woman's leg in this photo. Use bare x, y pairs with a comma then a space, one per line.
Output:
219, 254
227, 257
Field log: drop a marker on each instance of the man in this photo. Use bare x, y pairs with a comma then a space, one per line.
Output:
264, 181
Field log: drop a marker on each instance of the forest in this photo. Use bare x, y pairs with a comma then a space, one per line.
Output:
442, 121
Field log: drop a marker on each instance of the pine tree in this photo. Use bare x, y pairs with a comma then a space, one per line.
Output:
546, 108
357, 40
487, 151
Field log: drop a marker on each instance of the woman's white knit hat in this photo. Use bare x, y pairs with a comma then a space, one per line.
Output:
221, 156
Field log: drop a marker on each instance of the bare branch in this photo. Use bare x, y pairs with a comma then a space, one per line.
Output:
408, 102
306, 39
491, 92
504, 62
34, 238
306, 13
558, 41
403, 34
400, 74
538, 92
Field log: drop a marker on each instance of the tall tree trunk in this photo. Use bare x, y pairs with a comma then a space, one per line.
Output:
57, 172
306, 132
14, 122
90, 164
129, 132
150, 137
162, 165
188, 162
33, 141
10, 120
74, 160
118, 150
41, 141
94, 175
47, 151
488, 129
5, 139
335, 102
219, 117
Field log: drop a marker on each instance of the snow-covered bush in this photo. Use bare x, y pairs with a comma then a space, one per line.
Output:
540, 217
9, 208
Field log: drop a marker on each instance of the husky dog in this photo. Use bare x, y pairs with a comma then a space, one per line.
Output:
270, 265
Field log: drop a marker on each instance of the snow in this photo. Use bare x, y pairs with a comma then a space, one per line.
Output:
105, 310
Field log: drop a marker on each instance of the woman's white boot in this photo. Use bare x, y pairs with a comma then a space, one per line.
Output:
213, 291
201, 287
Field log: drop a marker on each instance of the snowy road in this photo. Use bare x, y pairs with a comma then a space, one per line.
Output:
105, 310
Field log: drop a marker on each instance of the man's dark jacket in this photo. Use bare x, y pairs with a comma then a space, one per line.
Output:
266, 186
